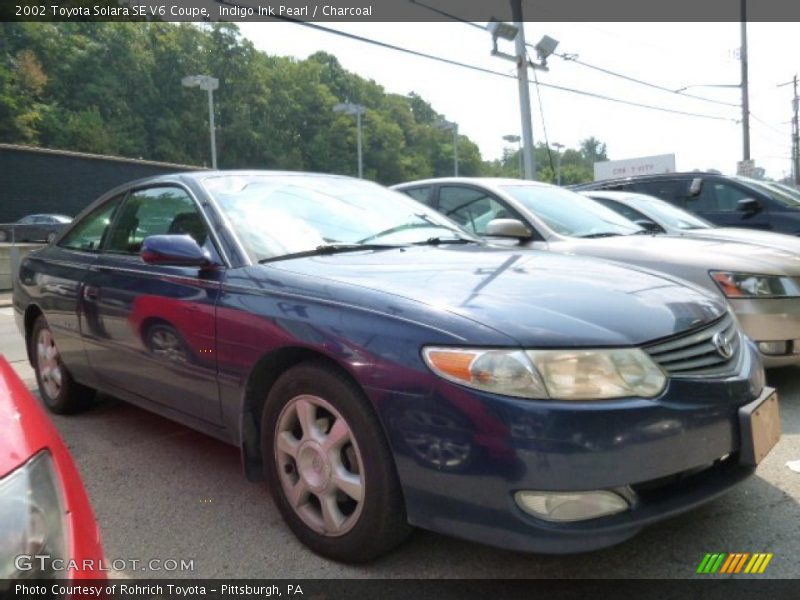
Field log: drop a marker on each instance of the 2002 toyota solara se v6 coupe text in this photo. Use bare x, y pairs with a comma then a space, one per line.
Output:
380, 368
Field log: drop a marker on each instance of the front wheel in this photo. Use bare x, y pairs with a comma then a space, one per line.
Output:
329, 467
59, 391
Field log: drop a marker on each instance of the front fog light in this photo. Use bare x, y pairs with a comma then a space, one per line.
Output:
571, 506
773, 348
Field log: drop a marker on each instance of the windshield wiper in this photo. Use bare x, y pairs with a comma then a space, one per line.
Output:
329, 249
435, 241
602, 234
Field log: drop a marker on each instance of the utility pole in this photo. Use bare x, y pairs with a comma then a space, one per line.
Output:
529, 160
745, 87
795, 132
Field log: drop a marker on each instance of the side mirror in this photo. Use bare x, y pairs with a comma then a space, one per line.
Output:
648, 225
510, 228
696, 187
748, 205
174, 250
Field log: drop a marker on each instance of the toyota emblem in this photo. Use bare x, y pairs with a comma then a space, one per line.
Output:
722, 345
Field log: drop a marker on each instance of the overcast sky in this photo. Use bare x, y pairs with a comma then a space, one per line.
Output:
668, 54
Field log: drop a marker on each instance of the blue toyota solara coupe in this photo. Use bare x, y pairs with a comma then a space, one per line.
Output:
380, 368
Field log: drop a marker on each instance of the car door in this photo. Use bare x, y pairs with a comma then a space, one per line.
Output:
718, 201
60, 277
151, 328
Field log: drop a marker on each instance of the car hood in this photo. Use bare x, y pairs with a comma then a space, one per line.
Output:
537, 298
678, 255
778, 241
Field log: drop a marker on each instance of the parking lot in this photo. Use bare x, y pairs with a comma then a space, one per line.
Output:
162, 491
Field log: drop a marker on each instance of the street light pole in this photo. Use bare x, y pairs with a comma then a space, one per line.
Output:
558, 148
515, 139
451, 125
212, 128
349, 108
529, 160
208, 83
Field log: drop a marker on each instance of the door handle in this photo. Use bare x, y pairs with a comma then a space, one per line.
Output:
90, 293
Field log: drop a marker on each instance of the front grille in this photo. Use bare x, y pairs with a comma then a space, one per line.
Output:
694, 354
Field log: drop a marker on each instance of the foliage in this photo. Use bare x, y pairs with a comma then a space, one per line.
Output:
114, 88
577, 166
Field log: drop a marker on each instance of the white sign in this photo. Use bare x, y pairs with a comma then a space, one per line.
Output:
630, 167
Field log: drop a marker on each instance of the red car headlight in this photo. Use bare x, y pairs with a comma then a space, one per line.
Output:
33, 529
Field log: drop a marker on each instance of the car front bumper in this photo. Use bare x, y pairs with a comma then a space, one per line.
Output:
463, 455
772, 320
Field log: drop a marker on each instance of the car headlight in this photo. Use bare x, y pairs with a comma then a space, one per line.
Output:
749, 285
582, 374
32, 519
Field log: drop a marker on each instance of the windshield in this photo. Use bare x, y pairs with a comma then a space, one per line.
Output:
571, 214
784, 197
278, 215
666, 214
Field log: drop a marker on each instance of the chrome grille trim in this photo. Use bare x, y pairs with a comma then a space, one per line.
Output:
695, 355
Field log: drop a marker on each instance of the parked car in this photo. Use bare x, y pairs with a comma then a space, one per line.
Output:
34, 228
381, 368
47, 527
760, 283
723, 200
659, 216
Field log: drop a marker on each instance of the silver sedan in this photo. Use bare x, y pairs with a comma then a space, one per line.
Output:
762, 284
660, 216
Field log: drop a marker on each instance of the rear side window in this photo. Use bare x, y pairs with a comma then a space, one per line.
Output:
91, 232
674, 191
156, 211
421, 194
622, 209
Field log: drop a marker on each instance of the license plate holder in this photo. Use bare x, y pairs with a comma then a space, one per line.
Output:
760, 426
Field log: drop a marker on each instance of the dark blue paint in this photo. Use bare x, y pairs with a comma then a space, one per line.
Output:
370, 313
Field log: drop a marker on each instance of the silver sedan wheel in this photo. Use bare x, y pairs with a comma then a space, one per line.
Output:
48, 364
319, 465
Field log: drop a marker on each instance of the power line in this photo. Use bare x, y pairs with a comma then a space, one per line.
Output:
544, 124
574, 58
487, 71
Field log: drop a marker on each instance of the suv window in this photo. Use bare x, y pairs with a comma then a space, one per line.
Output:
675, 191
421, 194
718, 196
90, 232
471, 208
156, 211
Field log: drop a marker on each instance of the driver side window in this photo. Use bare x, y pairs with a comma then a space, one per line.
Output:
719, 197
156, 211
471, 208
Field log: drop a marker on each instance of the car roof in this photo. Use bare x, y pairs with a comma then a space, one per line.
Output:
618, 195
652, 177
485, 181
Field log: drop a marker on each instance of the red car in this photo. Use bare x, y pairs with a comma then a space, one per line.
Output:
44, 508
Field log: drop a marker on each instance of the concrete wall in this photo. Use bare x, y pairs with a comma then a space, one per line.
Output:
10, 257
37, 180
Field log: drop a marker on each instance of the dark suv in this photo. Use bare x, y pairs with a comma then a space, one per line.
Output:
723, 200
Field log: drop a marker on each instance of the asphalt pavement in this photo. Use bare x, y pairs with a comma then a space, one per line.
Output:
163, 491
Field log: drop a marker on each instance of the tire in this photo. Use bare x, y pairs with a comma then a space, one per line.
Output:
51, 237
60, 393
3, 235
164, 341
341, 447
